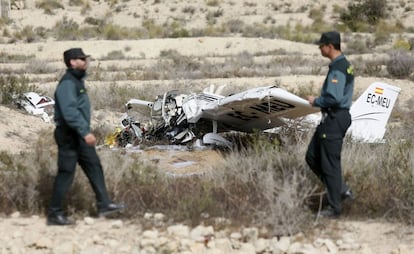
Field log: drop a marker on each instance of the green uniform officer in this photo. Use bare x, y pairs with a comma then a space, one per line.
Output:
324, 151
76, 143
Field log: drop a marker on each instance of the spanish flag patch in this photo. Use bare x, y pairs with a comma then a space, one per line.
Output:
379, 90
335, 81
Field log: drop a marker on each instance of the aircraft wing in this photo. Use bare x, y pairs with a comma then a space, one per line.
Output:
139, 103
258, 108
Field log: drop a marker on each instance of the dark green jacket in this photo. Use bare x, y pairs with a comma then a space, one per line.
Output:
72, 105
338, 87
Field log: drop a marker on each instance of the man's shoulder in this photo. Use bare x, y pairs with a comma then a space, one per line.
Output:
66, 85
341, 63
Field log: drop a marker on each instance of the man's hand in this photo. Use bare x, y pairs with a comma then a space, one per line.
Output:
90, 139
311, 99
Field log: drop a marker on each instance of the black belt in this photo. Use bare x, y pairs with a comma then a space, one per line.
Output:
333, 110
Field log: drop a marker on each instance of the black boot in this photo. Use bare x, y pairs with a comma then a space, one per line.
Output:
348, 195
58, 220
110, 209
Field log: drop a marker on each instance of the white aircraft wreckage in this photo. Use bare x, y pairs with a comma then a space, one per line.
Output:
36, 104
185, 118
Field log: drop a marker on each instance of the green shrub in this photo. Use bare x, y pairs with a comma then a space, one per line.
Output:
401, 44
76, 2
364, 12
49, 5
154, 30
211, 16
14, 58
318, 20
27, 34
94, 21
235, 26
114, 32
212, 2
189, 9
113, 55
12, 86
66, 29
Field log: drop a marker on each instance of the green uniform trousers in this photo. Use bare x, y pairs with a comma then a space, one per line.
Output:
72, 149
324, 154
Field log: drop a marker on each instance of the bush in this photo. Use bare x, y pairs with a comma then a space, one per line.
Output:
14, 58
49, 5
94, 21
266, 184
66, 29
363, 12
258, 185
26, 179
357, 45
383, 176
11, 86
401, 64
27, 34
76, 2
402, 44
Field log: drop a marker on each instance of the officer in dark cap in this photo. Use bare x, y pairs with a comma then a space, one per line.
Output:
75, 141
324, 151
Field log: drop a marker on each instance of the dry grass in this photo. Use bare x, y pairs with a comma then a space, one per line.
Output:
265, 181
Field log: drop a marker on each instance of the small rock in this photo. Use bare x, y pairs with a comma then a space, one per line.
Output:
159, 217
179, 230
223, 244
152, 234
331, 246
148, 216
247, 248
197, 248
88, 220
117, 224
308, 249
235, 236
200, 232
15, 215
294, 248
145, 242
282, 245
96, 239
261, 245
250, 234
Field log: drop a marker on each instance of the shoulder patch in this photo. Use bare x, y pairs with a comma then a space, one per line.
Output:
350, 70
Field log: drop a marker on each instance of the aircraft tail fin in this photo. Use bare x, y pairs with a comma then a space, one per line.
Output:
371, 111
